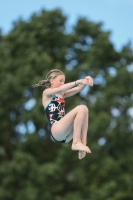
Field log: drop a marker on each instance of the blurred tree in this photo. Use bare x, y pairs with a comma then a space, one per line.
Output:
32, 165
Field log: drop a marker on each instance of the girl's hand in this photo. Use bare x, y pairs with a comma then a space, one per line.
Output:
87, 81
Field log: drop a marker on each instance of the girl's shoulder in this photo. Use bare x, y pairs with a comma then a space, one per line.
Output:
45, 94
51, 91
45, 98
46, 91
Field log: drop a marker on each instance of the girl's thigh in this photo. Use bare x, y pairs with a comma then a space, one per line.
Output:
64, 127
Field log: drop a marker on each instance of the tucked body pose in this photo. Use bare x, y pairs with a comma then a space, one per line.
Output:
74, 124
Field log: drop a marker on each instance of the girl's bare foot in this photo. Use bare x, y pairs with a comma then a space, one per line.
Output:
81, 154
80, 147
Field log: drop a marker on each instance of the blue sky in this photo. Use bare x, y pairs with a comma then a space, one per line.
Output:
116, 15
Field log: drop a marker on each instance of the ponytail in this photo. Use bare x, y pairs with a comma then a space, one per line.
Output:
43, 83
51, 75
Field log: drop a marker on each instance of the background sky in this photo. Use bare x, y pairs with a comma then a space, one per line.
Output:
116, 15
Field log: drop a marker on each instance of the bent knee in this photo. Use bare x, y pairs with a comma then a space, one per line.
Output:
83, 108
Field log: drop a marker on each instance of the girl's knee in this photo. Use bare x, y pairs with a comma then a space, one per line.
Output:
83, 108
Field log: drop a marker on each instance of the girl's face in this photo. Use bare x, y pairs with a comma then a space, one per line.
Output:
58, 81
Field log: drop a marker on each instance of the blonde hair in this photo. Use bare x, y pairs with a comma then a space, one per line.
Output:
51, 75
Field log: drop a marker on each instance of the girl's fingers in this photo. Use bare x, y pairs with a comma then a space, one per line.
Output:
89, 80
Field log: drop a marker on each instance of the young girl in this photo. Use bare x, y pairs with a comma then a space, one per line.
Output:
74, 124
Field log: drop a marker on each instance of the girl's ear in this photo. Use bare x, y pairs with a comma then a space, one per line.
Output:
51, 81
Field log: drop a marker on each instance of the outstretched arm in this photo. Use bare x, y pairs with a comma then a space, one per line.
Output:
87, 81
74, 90
62, 88
68, 90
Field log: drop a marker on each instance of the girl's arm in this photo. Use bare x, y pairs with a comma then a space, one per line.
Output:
68, 90
87, 81
61, 89
73, 91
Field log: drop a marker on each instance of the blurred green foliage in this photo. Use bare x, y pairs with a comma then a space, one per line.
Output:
34, 167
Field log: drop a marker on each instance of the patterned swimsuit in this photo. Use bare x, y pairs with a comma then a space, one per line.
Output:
55, 110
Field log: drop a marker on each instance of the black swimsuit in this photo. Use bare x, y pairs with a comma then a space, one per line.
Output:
55, 110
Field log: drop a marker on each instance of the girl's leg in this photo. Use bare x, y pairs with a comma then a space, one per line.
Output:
71, 122
78, 125
84, 131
